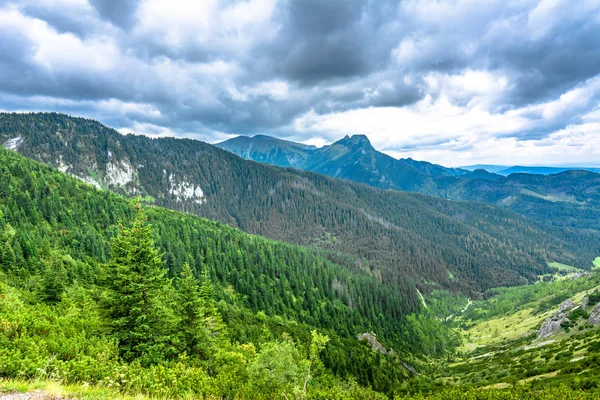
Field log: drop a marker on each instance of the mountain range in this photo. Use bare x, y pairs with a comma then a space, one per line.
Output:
404, 239
569, 198
531, 169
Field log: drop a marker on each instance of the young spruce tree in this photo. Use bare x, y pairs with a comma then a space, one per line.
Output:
53, 279
191, 313
137, 305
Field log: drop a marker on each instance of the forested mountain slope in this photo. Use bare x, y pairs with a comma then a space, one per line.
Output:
56, 237
397, 237
571, 198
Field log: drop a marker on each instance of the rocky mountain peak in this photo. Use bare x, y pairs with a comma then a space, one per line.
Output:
356, 141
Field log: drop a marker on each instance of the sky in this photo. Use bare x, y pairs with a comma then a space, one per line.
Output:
455, 82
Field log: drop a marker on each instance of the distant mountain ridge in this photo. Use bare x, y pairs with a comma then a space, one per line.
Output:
569, 198
271, 150
348, 158
532, 170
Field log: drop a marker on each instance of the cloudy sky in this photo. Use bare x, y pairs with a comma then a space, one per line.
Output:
454, 82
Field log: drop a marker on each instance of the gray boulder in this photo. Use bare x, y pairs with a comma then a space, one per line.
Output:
567, 305
585, 302
551, 325
371, 338
595, 315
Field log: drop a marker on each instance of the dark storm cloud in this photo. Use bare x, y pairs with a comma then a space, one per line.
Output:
221, 74
121, 13
321, 40
332, 40
546, 67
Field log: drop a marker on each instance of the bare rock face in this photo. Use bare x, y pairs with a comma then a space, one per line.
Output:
567, 305
371, 337
552, 325
585, 302
595, 316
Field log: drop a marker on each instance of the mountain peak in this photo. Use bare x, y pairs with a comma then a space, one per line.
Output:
263, 137
360, 139
356, 140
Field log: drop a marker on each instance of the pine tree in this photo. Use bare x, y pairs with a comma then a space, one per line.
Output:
8, 260
191, 313
213, 321
138, 294
53, 280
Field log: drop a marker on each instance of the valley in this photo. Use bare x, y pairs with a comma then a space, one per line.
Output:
508, 340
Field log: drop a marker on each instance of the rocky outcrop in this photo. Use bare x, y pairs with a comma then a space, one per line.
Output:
410, 368
552, 325
567, 305
585, 302
595, 316
371, 338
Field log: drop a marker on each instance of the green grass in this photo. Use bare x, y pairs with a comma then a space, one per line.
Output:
518, 312
500, 346
551, 198
563, 267
596, 263
501, 329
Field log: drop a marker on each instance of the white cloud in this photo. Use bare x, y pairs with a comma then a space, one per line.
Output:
208, 25
276, 89
437, 130
575, 144
547, 14
148, 129
138, 110
456, 79
429, 120
61, 52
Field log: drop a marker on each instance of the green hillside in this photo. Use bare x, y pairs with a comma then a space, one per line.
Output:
502, 346
57, 235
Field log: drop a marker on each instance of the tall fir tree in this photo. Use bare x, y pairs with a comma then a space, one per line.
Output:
137, 306
213, 321
53, 279
191, 313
